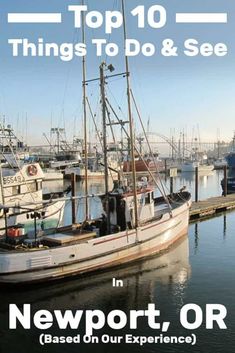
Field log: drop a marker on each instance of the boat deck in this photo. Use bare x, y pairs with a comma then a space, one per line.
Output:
61, 238
65, 238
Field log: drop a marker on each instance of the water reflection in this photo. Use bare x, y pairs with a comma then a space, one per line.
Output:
225, 226
140, 280
166, 280
196, 232
196, 238
143, 284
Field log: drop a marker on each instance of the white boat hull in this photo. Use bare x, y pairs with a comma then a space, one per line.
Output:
80, 174
191, 167
52, 176
96, 254
54, 217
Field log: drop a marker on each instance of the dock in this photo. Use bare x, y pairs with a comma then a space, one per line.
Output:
211, 206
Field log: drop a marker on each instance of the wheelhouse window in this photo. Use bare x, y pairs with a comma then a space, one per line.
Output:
16, 190
39, 185
32, 187
147, 198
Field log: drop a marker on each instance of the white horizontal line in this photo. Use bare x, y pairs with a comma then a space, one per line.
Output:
201, 18
34, 18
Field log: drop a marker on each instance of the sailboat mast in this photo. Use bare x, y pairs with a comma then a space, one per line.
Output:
106, 171
132, 140
2, 199
85, 116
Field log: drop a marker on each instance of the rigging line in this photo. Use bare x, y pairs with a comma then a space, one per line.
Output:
110, 122
119, 107
68, 74
93, 118
153, 177
116, 116
138, 152
119, 154
94, 115
150, 149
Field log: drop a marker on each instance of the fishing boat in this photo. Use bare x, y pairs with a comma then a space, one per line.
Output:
230, 189
220, 163
230, 178
24, 187
230, 157
197, 159
171, 267
134, 224
52, 175
13, 151
143, 166
62, 154
190, 167
77, 250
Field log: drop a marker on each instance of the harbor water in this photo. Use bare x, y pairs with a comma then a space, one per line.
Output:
209, 185
198, 269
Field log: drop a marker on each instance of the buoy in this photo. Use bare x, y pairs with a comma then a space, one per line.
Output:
32, 170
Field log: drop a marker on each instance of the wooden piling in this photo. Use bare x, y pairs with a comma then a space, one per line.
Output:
171, 185
196, 184
73, 194
165, 170
225, 181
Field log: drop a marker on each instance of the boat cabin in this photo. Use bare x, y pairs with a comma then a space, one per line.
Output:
24, 185
121, 208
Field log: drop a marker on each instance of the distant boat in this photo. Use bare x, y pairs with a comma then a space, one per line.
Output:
191, 167
24, 187
91, 175
220, 163
52, 175
230, 182
230, 185
230, 158
13, 151
144, 166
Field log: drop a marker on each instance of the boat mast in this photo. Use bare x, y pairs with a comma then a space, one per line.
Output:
2, 200
132, 141
106, 170
85, 116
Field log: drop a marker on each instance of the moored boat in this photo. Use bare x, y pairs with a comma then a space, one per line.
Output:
155, 166
190, 167
75, 250
220, 163
230, 157
21, 194
133, 224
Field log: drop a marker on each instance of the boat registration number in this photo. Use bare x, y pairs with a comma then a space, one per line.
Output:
12, 180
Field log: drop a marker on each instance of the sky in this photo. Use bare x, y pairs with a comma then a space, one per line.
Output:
173, 93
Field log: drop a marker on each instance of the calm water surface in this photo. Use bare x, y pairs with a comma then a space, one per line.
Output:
199, 269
